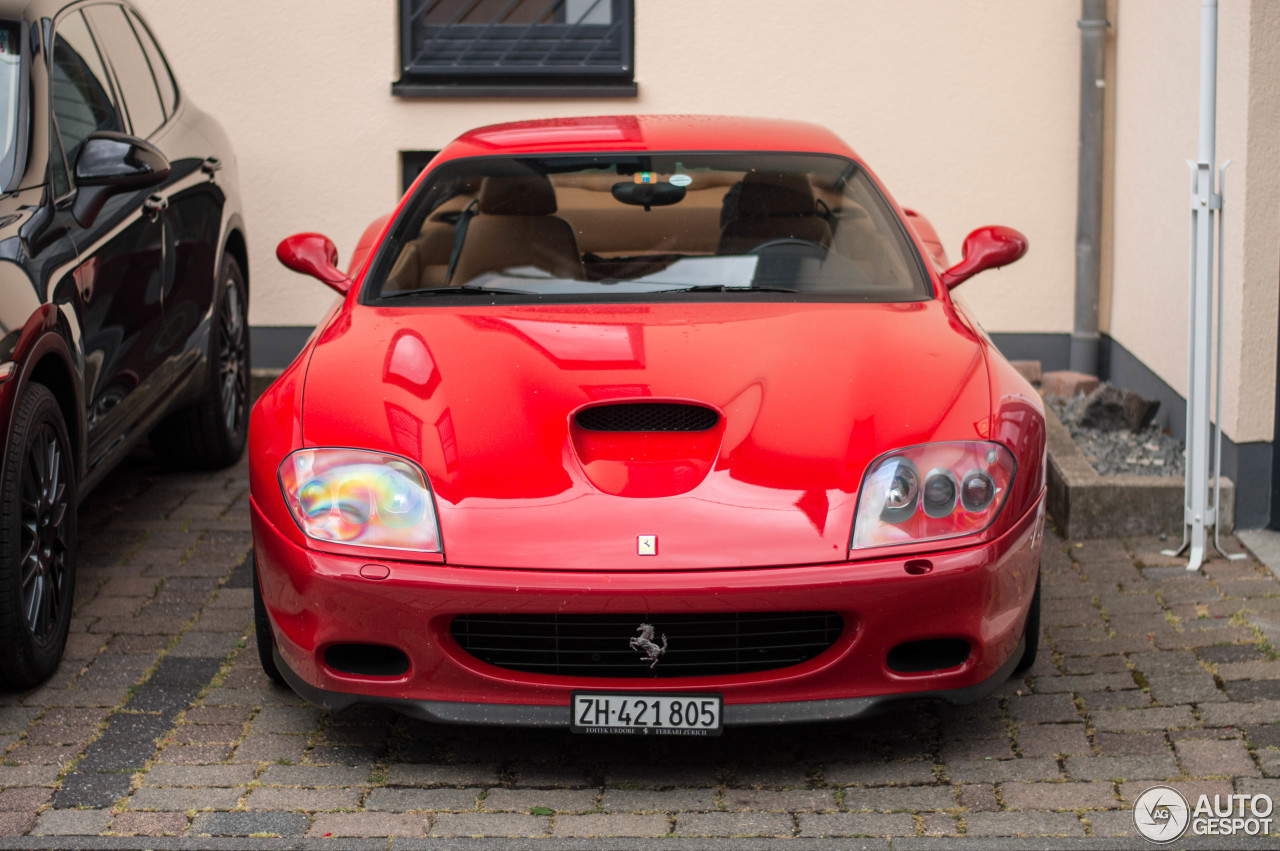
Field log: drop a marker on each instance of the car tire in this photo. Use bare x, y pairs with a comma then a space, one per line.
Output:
37, 541
1032, 632
262, 630
211, 434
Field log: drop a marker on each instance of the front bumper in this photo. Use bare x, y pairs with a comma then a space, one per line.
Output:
980, 594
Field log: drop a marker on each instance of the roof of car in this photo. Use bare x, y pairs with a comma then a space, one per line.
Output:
32, 9
646, 133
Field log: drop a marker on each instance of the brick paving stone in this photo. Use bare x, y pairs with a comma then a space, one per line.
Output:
1159, 718
966, 749
651, 801
1190, 789
734, 824
1112, 823
1002, 770
792, 800
369, 824
1052, 739
343, 755
525, 800
1253, 670
784, 775
1130, 744
218, 714
296, 798
1250, 691
205, 734
979, 797
16, 824
314, 775
1155, 767
1241, 714
151, 798
655, 777
1103, 700
1209, 758
1085, 683
610, 824
1043, 708
881, 774
1059, 796
249, 824
1265, 736
400, 800
490, 824
90, 789
28, 775
195, 754
1186, 688
270, 747
287, 719
22, 799
401, 774
16, 719
252, 697
76, 697
939, 824
149, 824
856, 824
71, 823
76, 716
1023, 824
907, 798
199, 775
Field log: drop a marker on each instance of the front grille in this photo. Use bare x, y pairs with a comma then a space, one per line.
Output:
648, 416
698, 645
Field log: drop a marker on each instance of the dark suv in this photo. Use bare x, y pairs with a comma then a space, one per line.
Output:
123, 292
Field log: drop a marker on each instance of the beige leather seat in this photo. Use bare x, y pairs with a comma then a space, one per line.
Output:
515, 226
773, 206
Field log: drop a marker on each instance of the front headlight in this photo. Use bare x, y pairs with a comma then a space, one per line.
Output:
360, 498
961, 494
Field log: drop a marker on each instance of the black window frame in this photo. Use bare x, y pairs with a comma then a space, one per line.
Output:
519, 77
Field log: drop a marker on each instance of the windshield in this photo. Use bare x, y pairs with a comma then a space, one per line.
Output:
10, 76
639, 226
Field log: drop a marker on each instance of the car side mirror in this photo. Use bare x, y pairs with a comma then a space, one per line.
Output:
313, 254
110, 163
986, 248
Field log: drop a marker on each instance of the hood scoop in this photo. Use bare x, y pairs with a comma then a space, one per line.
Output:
646, 449
647, 416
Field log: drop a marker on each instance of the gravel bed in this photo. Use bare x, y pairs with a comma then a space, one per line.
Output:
1150, 452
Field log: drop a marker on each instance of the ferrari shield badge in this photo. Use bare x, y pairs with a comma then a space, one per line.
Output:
647, 545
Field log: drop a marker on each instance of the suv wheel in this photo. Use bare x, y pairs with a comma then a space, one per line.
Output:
37, 541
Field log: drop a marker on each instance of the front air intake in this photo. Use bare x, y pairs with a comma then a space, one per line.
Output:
936, 654
647, 416
366, 660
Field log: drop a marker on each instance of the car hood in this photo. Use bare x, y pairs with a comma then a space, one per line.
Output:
484, 399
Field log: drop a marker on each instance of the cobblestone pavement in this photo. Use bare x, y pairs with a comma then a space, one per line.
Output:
160, 723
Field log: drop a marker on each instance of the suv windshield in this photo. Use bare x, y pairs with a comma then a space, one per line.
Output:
10, 77
638, 225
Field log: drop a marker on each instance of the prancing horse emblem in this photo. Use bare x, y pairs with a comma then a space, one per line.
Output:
646, 645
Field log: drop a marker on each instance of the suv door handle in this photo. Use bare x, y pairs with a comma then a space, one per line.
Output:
155, 205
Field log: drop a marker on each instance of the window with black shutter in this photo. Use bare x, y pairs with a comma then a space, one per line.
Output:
541, 48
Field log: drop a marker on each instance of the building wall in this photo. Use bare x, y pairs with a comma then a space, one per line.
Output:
1156, 126
966, 109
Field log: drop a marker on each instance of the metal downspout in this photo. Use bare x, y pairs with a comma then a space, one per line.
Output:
1085, 338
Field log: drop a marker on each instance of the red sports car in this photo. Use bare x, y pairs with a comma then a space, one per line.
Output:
647, 424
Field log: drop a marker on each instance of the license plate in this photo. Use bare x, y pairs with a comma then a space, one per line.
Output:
646, 714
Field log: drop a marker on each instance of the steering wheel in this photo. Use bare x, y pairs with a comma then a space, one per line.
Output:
804, 247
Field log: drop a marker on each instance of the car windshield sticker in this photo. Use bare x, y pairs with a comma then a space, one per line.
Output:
680, 180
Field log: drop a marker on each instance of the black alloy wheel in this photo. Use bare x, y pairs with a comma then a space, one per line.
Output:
211, 433
37, 541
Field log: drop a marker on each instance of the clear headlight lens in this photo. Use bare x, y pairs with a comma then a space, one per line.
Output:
362, 498
962, 493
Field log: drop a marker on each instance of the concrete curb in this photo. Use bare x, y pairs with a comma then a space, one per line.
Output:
1088, 505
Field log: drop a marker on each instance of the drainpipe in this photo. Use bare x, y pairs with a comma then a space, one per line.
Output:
1093, 46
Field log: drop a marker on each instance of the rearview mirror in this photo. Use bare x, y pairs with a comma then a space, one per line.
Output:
648, 194
986, 248
110, 163
313, 254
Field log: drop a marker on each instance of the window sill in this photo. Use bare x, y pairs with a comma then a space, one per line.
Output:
532, 89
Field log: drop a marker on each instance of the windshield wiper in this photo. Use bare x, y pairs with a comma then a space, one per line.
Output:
465, 288
724, 288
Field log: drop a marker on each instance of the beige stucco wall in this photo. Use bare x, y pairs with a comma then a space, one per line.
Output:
967, 110
1157, 109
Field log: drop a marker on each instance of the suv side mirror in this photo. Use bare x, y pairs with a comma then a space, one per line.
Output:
313, 254
986, 248
110, 163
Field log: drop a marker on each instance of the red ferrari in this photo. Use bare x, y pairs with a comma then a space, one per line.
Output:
653, 424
